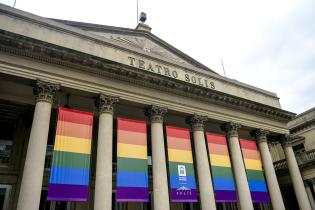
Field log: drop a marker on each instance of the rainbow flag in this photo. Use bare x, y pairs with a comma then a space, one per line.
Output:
132, 161
222, 175
69, 174
254, 171
181, 167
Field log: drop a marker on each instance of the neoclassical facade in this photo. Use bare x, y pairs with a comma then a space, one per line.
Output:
128, 73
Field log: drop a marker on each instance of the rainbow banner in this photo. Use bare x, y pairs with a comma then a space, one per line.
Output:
222, 175
254, 171
181, 168
132, 161
70, 170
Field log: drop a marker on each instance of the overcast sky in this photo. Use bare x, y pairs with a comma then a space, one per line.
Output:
269, 44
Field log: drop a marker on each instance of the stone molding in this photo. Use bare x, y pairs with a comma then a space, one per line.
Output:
197, 122
156, 113
303, 126
105, 103
19, 45
45, 91
231, 129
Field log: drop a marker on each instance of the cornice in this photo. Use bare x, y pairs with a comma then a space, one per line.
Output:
22, 46
303, 126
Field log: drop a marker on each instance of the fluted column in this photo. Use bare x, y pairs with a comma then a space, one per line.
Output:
103, 177
203, 168
272, 182
243, 191
309, 194
31, 184
160, 184
295, 174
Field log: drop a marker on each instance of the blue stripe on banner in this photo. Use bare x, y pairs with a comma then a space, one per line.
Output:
75, 176
180, 181
132, 179
257, 186
223, 184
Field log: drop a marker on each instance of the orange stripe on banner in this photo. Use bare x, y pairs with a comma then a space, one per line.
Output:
178, 143
177, 132
251, 154
248, 144
218, 149
131, 125
215, 138
74, 130
75, 116
129, 137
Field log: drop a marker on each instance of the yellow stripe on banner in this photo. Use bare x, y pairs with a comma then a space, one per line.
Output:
72, 144
132, 151
184, 156
253, 164
220, 160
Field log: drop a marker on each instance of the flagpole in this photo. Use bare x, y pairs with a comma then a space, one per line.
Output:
137, 11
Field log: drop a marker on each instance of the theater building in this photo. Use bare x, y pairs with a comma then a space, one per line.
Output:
100, 117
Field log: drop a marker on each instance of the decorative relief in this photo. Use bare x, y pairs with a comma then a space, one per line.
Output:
45, 91
156, 113
146, 45
197, 122
260, 135
105, 103
232, 128
286, 140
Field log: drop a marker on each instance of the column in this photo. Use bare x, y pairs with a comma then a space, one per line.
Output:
243, 192
160, 184
31, 184
312, 181
203, 168
309, 194
295, 174
104, 160
272, 182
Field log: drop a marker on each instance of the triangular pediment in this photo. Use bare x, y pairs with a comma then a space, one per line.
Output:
143, 42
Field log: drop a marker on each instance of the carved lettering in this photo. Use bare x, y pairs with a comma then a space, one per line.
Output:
151, 66
132, 60
141, 64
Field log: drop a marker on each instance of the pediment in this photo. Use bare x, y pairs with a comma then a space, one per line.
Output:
143, 42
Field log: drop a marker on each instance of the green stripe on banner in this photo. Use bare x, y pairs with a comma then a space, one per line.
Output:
173, 168
132, 164
71, 159
254, 174
221, 172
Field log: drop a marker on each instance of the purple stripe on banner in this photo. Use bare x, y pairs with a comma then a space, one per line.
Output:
184, 195
222, 196
67, 192
132, 194
260, 197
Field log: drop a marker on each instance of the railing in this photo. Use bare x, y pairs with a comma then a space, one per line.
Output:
301, 158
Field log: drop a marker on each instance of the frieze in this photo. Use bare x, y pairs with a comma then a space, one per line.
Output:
19, 45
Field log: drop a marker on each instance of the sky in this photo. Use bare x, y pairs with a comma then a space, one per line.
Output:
268, 44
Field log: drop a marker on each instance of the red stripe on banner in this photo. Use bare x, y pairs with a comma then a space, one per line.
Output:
75, 116
216, 138
248, 144
178, 132
131, 125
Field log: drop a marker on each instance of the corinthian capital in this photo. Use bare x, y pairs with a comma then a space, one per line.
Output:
286, 140
105, 103
156, 113
260, 134
232, 128
45, 91
197, 122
